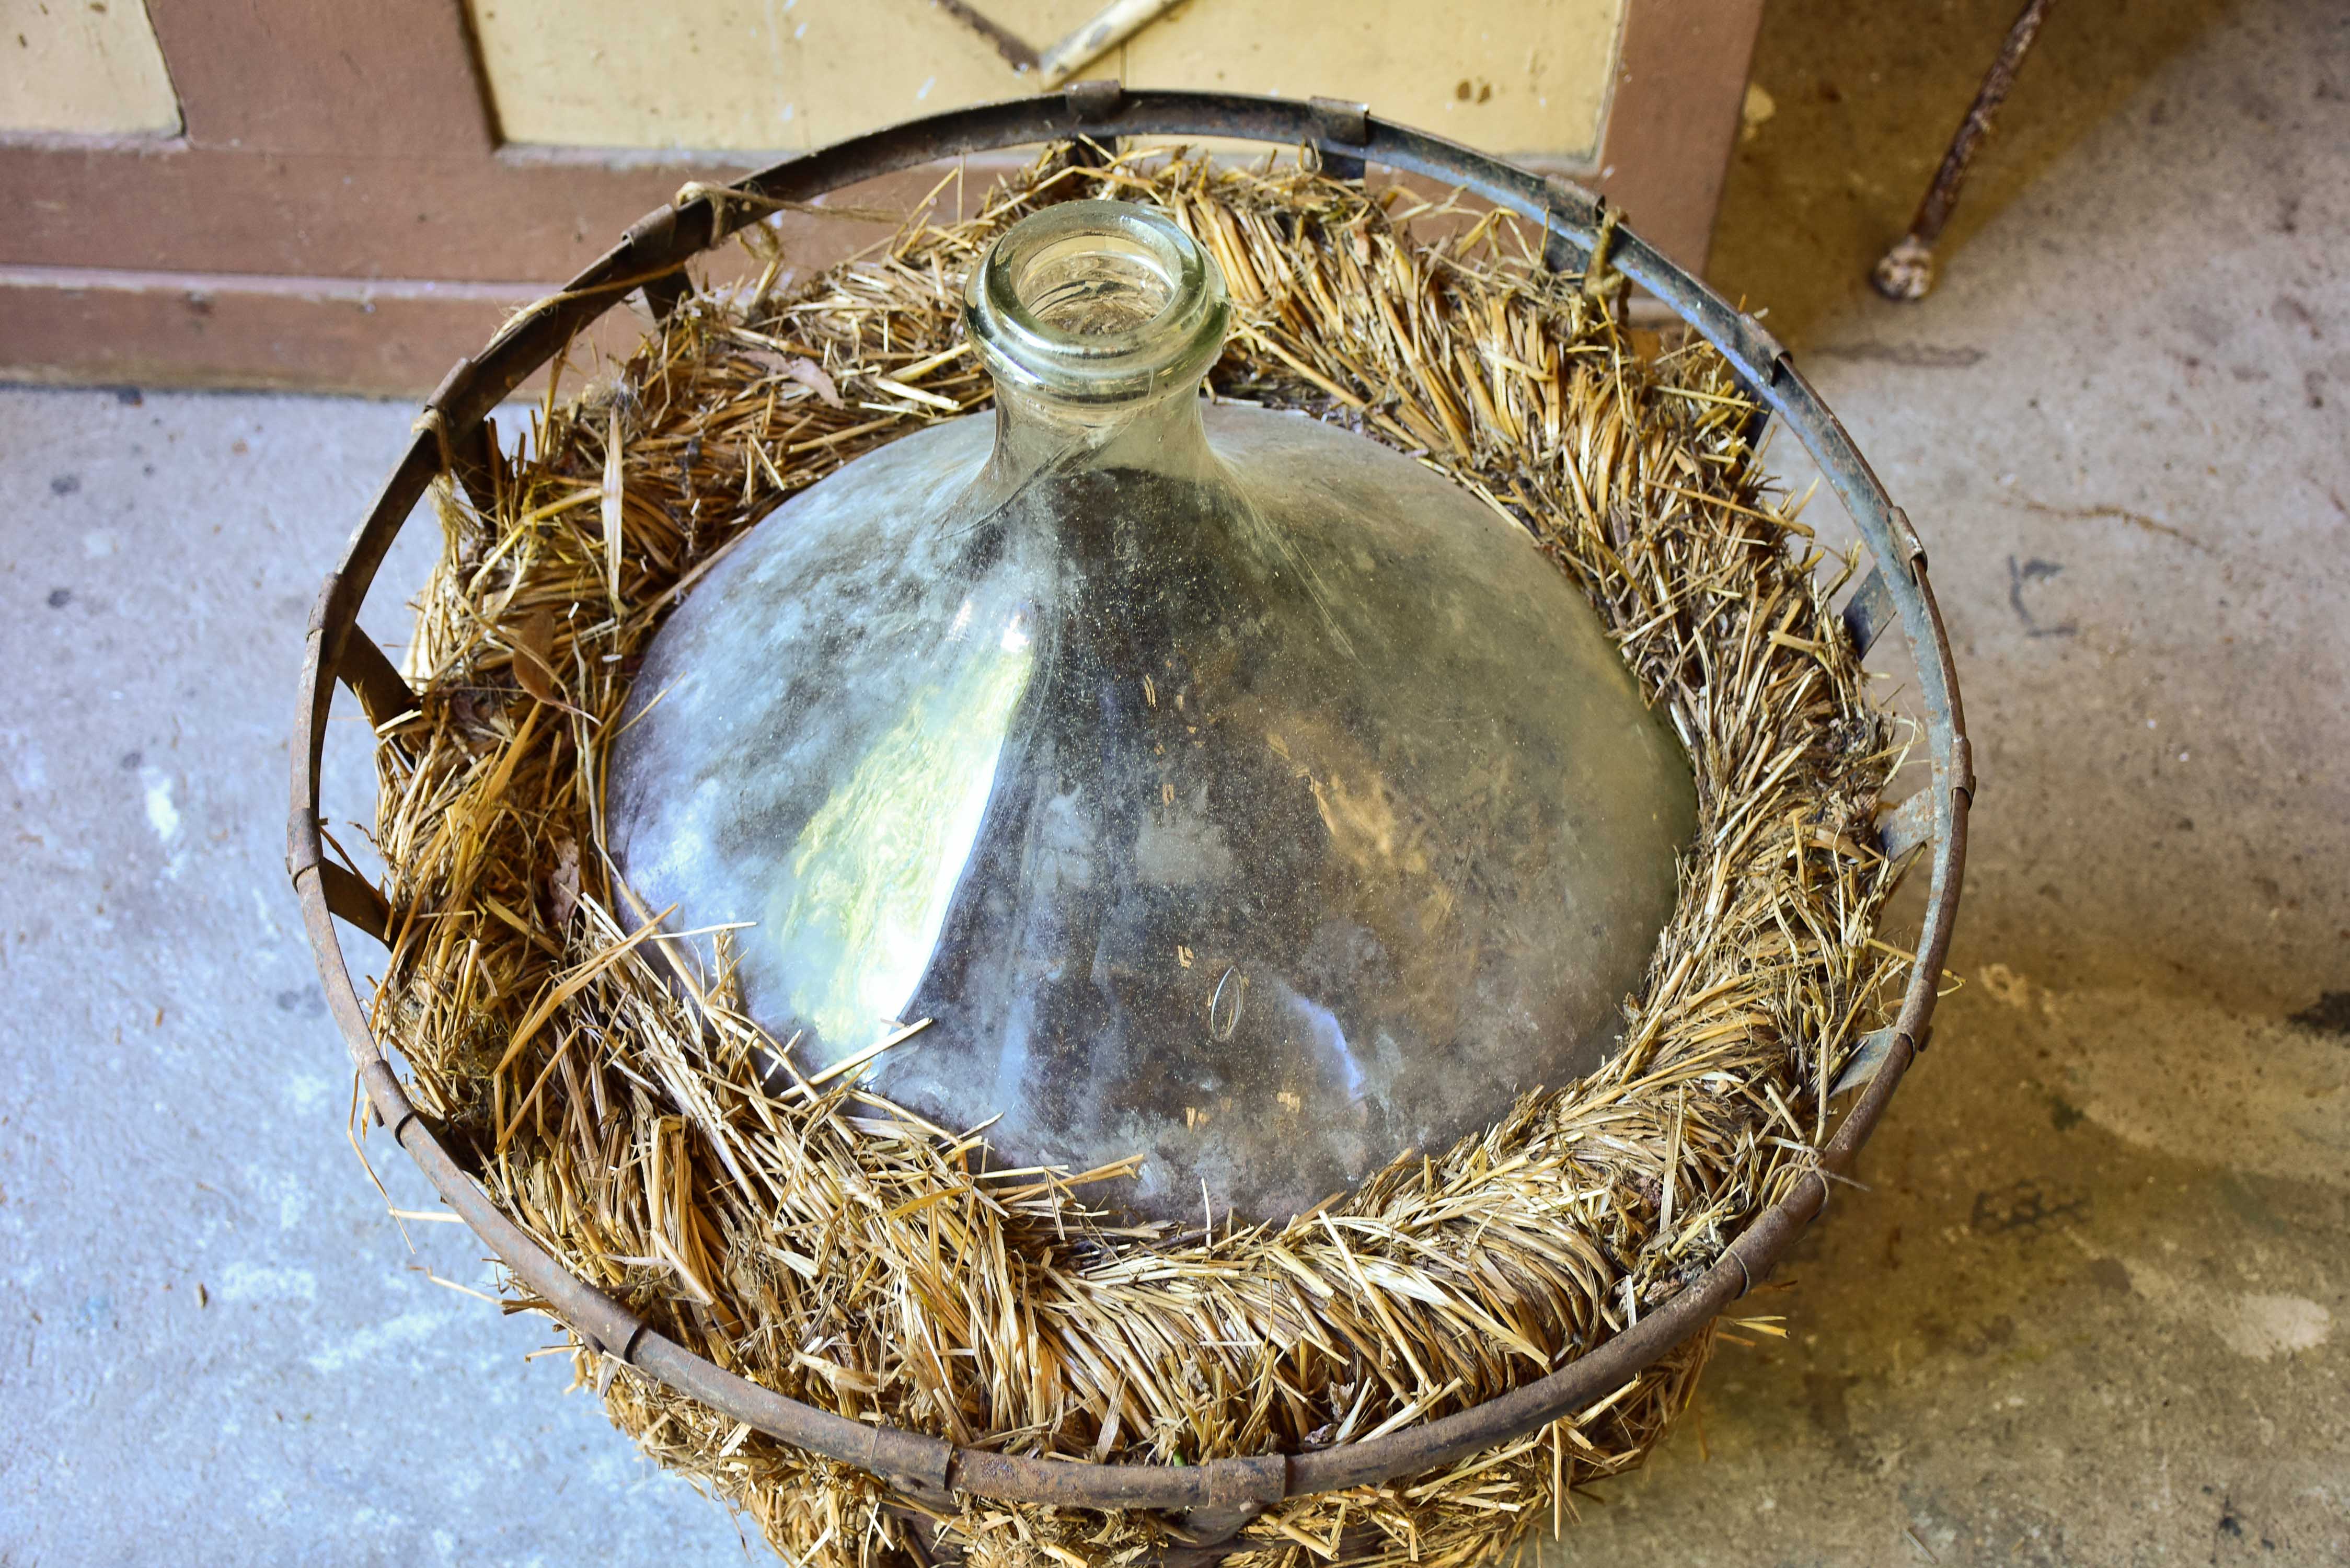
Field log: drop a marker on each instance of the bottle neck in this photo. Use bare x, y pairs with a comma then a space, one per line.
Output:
1097, 321
1162, 434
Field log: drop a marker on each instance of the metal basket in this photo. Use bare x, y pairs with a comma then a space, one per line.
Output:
1211, 1500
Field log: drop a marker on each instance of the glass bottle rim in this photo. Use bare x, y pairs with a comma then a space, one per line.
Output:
1096, 302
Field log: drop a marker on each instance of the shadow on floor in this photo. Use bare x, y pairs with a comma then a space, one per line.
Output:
1853, 102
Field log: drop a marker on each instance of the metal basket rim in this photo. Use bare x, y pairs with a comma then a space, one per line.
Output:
1214, 1498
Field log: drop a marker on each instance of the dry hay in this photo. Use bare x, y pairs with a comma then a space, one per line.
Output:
839, 1251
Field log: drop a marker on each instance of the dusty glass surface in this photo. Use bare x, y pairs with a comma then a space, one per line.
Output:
1228, 788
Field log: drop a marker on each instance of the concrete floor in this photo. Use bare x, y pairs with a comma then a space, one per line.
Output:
2091, 1306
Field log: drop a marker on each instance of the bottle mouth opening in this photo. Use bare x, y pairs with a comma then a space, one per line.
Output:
1096, 302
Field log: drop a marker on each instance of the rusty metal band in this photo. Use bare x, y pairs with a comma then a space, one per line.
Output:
1217, 1496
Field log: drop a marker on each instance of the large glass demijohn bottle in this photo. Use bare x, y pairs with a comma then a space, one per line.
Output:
1229, 789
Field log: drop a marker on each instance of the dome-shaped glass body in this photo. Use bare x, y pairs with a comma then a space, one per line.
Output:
1229, 789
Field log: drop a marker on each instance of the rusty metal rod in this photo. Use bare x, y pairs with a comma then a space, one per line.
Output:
1907, 271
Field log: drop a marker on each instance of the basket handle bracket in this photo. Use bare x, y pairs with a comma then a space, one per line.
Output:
1341, 129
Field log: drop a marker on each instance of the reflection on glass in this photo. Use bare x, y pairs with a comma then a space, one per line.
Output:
858, 916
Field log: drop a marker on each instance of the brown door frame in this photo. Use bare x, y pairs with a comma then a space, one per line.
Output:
337, 212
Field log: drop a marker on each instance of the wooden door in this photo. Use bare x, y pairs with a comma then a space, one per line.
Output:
316, 194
